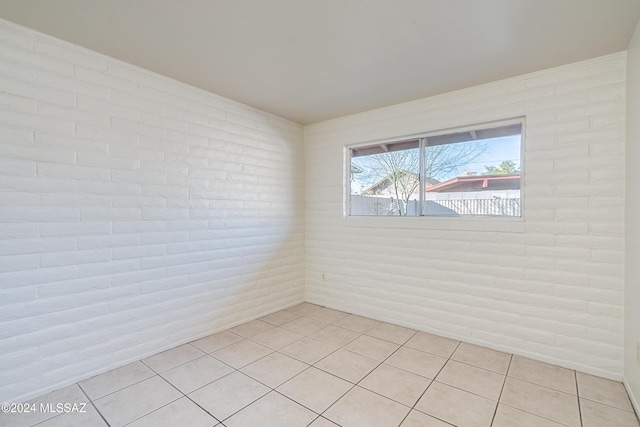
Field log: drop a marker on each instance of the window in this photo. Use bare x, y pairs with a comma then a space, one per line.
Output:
473, 172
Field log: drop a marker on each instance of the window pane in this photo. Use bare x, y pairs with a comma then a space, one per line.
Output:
464, 173
385, 179
474, 177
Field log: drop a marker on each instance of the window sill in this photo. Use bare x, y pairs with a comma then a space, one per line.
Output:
479, 223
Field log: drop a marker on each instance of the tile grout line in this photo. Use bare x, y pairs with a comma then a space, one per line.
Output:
310, 365
575, 377
608, 405
173, 367
125, 387
355, 384
313, 366
507, 376
504, 382
298, 403
548, 388
94, 406
413, 408
226, 418
301, 404
380, 364
198, 405
273, 389
179, 391
165, 405
89, 401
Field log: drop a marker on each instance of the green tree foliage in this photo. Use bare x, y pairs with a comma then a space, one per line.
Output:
507, 167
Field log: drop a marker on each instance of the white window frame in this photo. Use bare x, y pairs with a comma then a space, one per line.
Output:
422, 137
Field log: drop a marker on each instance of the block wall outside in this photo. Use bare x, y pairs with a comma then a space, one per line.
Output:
136, 213
549, 285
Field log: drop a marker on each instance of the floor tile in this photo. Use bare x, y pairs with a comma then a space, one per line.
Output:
323, 422
315, 389
472, 379
71, 394
272, 410
242, 353
364, 372
548, 403
605, 391
392, 333
171, 358
356, 323
506, 416
304, 308
279, 317
304, 326
595, 414
396, 384
335, 335
182, 412
417, 362
327, 315
135, 401
88, 418
308, 350
216, 341
418, 419
252, 328
228, 395
372, 347
197, 373
433, 344
455, 406
347, 365
543, 374
276, 338
274, 369
481, 357
360, 407
116, 379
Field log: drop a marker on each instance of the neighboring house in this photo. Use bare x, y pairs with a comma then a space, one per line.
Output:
407, 182
477, 183
475, 195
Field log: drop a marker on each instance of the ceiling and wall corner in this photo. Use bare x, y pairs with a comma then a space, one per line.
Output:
318, 60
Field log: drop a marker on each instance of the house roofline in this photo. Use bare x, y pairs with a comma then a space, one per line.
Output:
473, 178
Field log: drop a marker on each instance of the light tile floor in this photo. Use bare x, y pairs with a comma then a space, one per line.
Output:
314, 366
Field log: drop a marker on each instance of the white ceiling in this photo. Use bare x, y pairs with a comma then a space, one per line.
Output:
312, 60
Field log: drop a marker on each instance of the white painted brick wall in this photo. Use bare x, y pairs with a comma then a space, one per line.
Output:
549, 286
136, 213
632, 225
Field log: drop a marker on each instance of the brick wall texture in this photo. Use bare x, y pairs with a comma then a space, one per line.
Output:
136, 213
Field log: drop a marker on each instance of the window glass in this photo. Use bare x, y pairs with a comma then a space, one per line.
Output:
470, 173
385, 179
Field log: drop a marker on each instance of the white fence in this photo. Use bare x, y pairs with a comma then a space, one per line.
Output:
365, 205
488, 205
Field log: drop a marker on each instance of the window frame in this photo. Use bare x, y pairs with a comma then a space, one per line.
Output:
421, 137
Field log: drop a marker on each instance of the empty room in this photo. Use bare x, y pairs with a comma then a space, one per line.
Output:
287, 213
